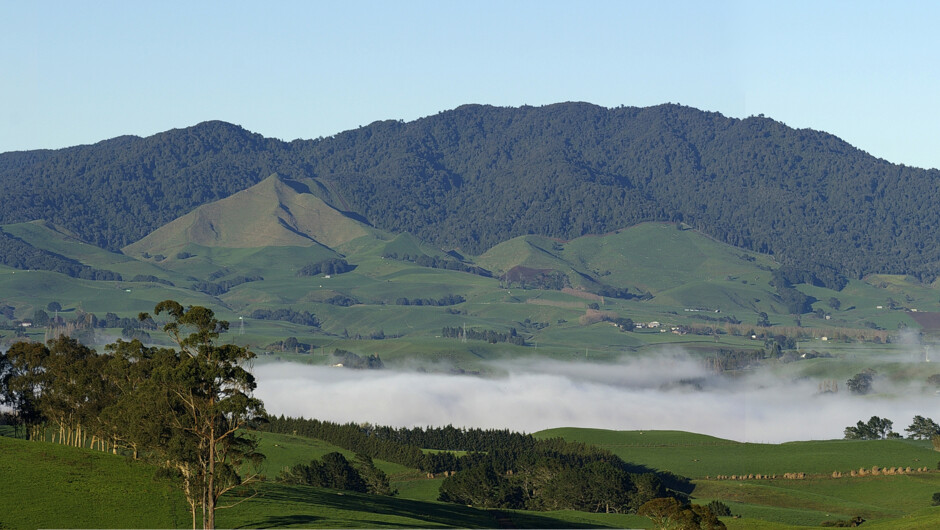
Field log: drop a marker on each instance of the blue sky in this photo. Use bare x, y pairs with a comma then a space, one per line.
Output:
79, 72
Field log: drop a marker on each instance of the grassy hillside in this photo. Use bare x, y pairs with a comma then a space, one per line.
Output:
274, 212
51, 486
888, 499
47, 236
48, 485
695, 282
699, 456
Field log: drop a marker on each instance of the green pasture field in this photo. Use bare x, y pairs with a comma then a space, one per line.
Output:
52, 486
284, 506
49, 485
683, 269
87, 488
805, 502
46, 236
663, 257
534, 252
698, 456
808, 502
31, 290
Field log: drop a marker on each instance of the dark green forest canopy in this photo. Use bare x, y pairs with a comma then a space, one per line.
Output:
477, 175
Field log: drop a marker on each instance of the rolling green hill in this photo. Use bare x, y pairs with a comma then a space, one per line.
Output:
475, 176
275, 212
51, 485
715, 285
48, 485
888, 501
390, 301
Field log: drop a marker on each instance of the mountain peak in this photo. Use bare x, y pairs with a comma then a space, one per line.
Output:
275, 212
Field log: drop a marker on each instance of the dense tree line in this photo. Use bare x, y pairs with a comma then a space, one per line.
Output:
149, 278
93, 190
874, 429
502, 469
327, 266
341, 300
435, 262
450, 438
16, 253
731, 359
111, 320
446, 300
290, 344
489, 335
923, 428
401, 445
334, 471
528, 278
669, 512
477, 175
304, 318
222, 287
351, 437
184, 408
350, 360
861, 383
784, 279
619, 292
788, 276
556, 475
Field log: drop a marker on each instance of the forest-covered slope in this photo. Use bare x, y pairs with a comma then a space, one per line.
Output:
475, 176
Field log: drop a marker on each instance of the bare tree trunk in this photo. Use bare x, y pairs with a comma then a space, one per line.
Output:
210, 483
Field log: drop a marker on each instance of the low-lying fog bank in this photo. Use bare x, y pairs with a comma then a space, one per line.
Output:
671, 392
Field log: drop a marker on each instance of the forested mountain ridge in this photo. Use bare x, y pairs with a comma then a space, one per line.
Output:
95, 189
477, 175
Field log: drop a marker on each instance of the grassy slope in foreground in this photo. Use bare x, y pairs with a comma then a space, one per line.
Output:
46, 485
49, 485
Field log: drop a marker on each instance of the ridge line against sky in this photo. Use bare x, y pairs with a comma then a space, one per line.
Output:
78, 73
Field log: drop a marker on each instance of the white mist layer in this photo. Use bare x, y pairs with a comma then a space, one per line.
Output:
637, 394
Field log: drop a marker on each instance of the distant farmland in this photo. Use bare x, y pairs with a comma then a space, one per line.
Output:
929, 321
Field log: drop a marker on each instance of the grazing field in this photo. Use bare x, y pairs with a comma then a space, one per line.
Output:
699, 456
49, 485
280, 506
693, 281
46, 485
804, 502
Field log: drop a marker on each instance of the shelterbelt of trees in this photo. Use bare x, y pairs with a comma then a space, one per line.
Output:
477, 175
503, 469
184, 408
